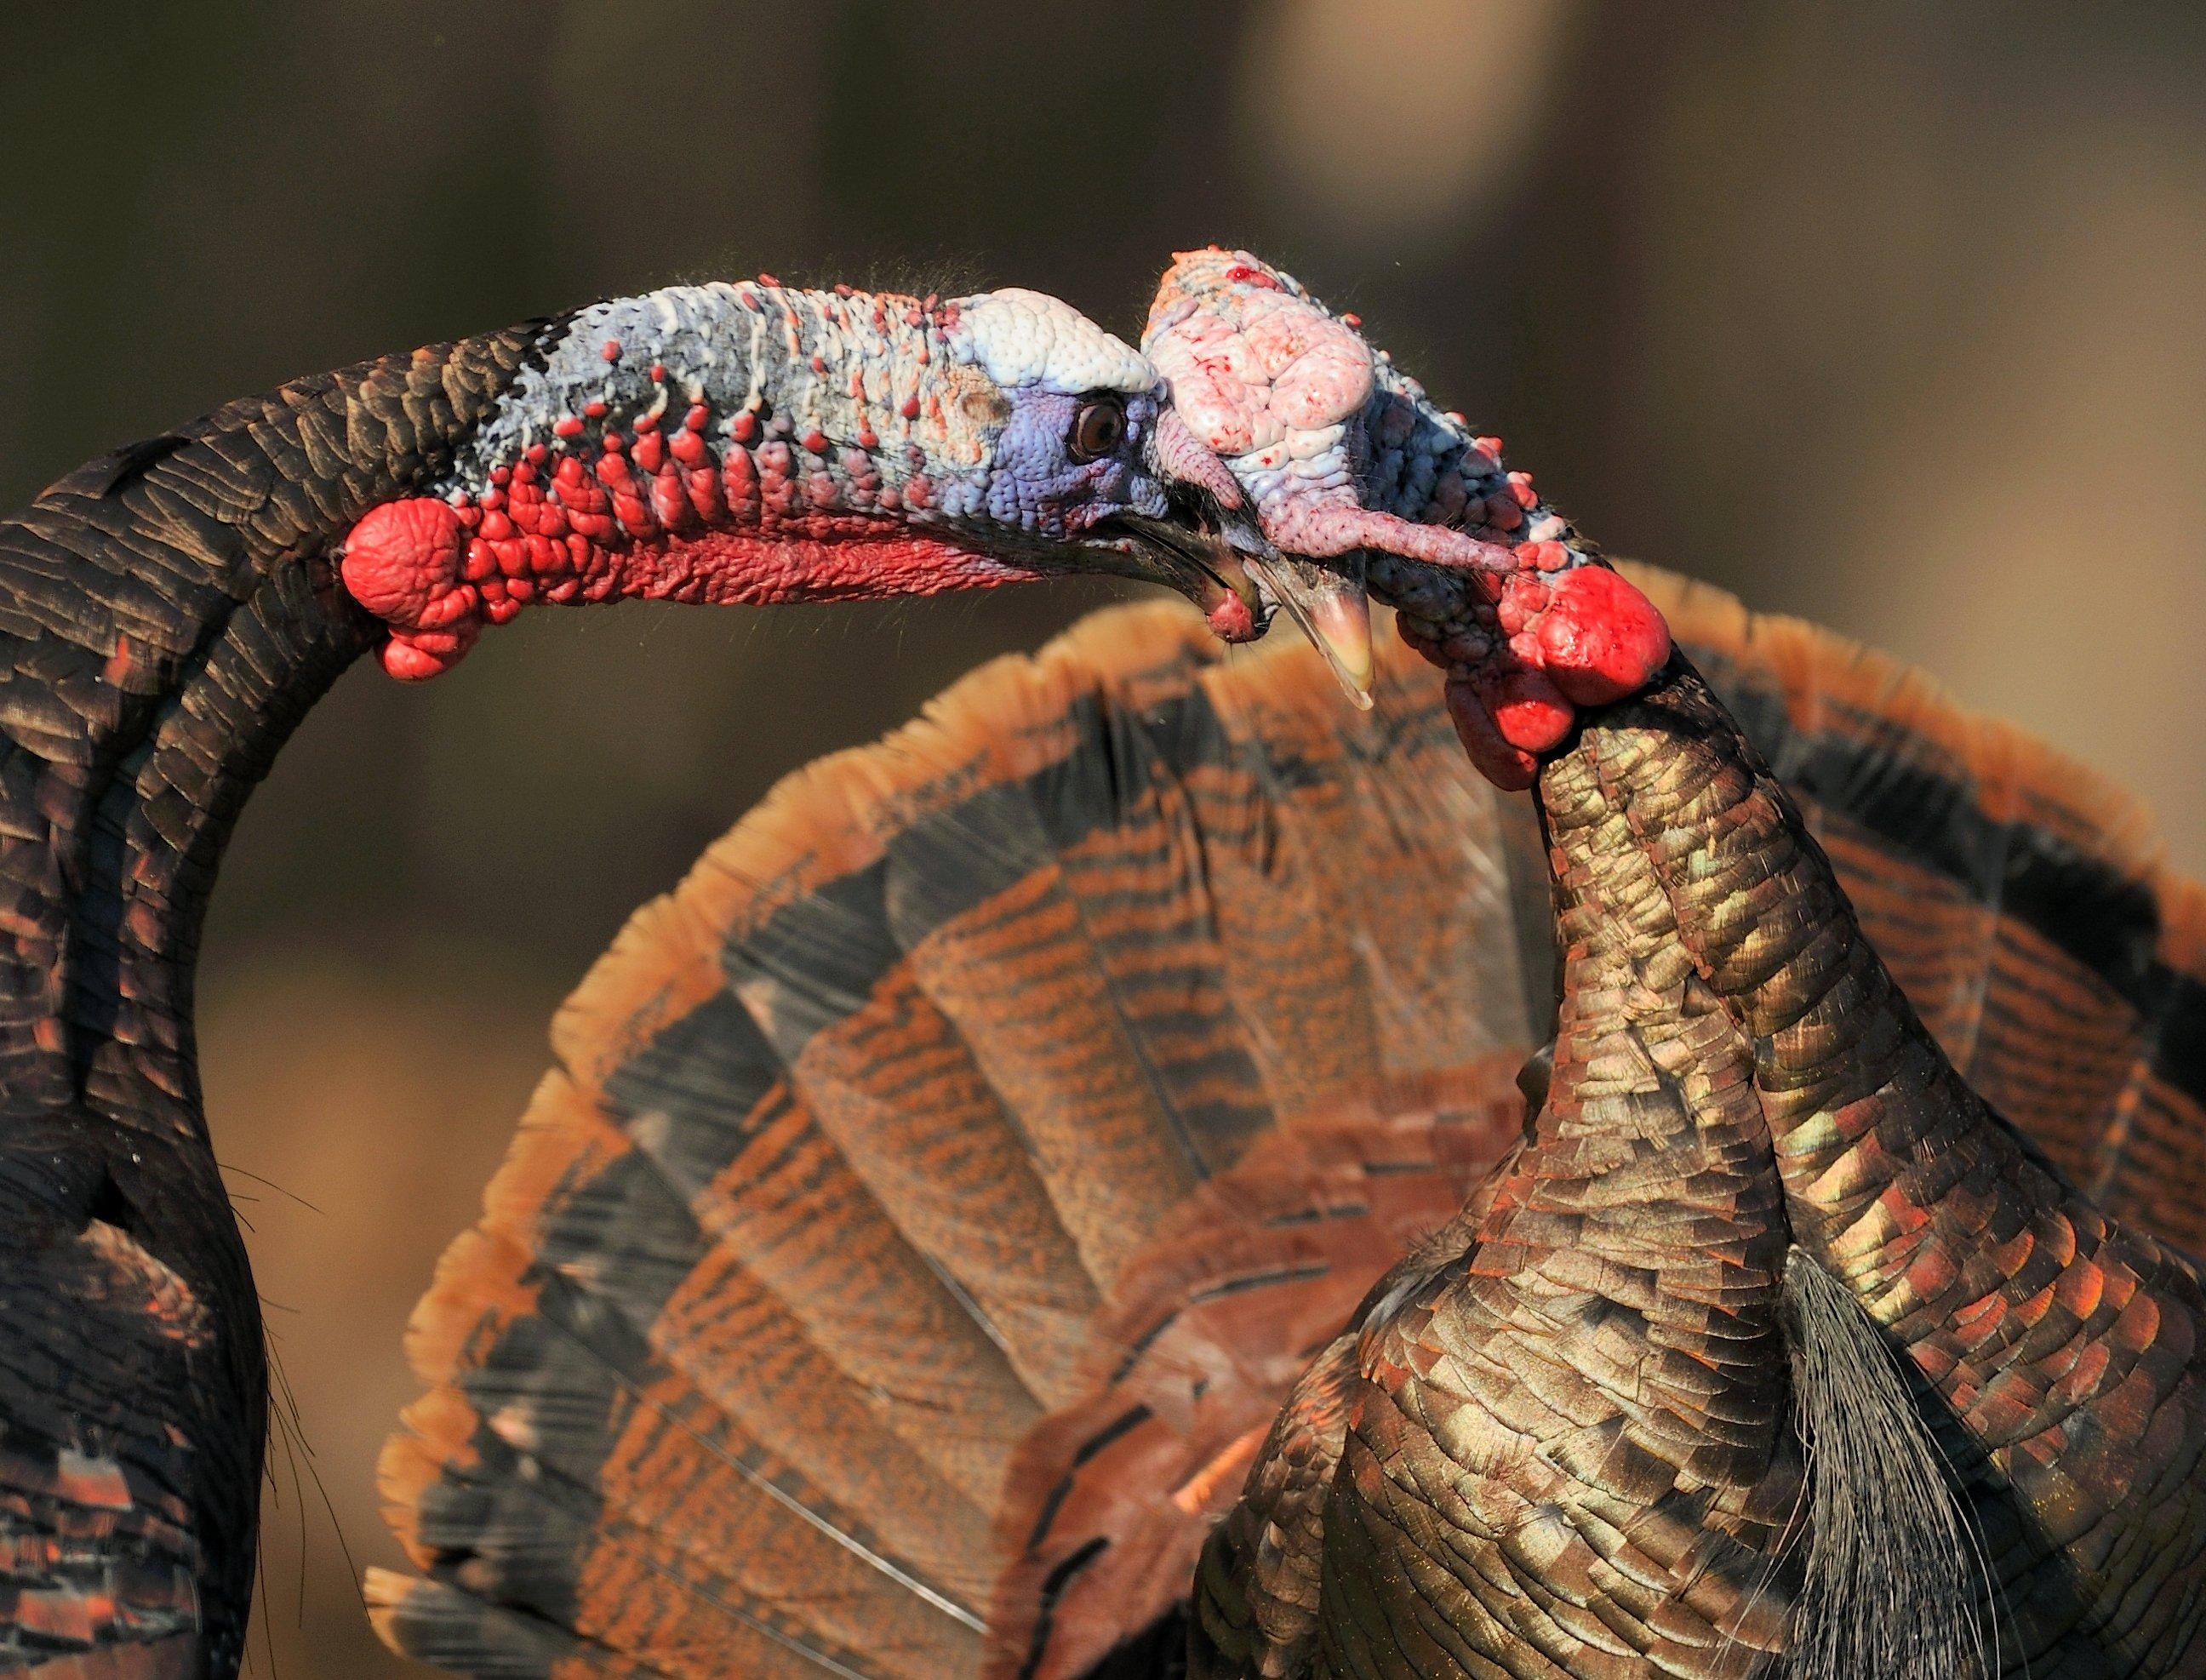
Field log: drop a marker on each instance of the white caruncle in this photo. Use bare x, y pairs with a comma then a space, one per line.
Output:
1028, 340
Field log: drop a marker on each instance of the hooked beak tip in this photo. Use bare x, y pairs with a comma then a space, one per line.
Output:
1334, 612
1341, 625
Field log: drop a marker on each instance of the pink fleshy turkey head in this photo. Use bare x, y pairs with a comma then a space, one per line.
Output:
1347, 462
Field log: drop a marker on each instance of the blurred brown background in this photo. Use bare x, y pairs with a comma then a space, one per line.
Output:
1891, 315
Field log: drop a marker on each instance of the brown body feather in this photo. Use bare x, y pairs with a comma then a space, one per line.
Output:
943, 1190
167, 615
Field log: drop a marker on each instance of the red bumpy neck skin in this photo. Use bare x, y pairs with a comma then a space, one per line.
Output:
1339, 452
645, 519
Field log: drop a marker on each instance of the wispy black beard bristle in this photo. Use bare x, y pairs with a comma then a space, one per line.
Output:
1895, 1585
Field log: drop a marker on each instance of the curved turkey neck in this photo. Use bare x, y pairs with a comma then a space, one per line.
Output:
168, 613
1634, 1248
1646, 1147
2065, 1346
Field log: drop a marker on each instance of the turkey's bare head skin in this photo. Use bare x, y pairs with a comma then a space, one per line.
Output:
752, 443
1348, 466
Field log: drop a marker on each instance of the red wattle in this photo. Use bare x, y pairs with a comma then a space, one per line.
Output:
1231, 620
1511, 769
1600, 638
1525, 707
402, 563
402, 555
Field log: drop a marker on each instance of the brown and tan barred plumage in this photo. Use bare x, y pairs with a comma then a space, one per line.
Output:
940, 1195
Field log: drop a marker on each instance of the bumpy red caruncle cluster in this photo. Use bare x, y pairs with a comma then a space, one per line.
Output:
653, 513
1523, 645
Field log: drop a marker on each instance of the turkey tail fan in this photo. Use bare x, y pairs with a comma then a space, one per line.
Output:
851, 1135
938, 1193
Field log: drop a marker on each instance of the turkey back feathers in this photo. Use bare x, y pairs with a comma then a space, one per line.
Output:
938, 1194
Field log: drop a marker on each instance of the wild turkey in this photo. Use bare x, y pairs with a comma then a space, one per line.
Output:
1560, 1436
939, 1197
168, 613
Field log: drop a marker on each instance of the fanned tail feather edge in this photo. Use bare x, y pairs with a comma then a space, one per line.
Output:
807, 1230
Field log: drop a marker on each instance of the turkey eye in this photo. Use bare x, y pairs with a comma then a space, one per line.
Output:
1099, 428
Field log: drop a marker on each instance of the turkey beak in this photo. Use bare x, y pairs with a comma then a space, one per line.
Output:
1204, 566
1333, 609
1206, 549
1330, 605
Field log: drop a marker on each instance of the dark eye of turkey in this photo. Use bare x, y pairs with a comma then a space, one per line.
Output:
1099, 428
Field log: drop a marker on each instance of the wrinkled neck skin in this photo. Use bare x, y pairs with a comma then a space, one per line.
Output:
720, 444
